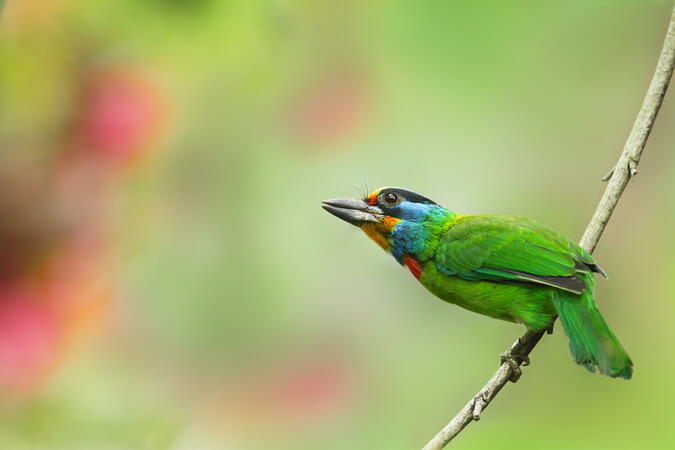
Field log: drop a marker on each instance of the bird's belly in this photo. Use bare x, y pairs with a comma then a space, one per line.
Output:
515, 303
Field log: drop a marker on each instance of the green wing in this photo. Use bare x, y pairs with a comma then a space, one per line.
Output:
512, 249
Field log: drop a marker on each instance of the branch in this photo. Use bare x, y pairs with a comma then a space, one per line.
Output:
625, 168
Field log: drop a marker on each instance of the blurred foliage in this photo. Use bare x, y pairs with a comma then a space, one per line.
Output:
168, 280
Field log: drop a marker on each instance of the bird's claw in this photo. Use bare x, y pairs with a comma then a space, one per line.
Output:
514, 360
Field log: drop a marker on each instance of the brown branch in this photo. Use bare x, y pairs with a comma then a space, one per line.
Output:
625, 168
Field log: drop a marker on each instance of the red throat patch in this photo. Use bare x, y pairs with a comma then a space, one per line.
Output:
413, 266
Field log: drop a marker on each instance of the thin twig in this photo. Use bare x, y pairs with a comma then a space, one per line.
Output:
625, 168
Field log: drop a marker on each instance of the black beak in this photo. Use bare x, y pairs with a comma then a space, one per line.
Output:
352, 210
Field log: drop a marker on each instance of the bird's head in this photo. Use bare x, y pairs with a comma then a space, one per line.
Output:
400, 221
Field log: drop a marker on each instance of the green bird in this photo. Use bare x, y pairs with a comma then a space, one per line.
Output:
507, 267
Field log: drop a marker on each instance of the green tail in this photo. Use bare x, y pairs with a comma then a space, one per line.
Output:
592, 343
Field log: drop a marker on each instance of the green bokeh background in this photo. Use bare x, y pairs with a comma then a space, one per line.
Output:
227, 269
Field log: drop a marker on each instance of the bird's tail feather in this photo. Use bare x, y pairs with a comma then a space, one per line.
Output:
591, 341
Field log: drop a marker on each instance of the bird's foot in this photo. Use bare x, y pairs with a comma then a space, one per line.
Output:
514, 359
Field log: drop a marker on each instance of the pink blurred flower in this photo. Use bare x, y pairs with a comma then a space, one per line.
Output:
310, 391
311, 388
47, 312
332, 109
29, 335
120, 114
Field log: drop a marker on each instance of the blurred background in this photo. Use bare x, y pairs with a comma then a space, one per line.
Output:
169, 281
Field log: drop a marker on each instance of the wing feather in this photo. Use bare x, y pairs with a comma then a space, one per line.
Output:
512, 249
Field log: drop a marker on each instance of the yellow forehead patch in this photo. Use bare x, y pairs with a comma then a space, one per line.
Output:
372, 198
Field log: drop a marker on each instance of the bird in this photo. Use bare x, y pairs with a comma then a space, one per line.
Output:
506, 267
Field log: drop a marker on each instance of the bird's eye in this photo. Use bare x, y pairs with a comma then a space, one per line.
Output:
390, 198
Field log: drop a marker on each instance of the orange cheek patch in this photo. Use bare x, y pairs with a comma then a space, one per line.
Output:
389, 223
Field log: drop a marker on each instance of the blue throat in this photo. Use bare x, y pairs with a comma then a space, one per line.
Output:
417, 232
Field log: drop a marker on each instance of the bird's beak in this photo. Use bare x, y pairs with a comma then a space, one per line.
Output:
352, 210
